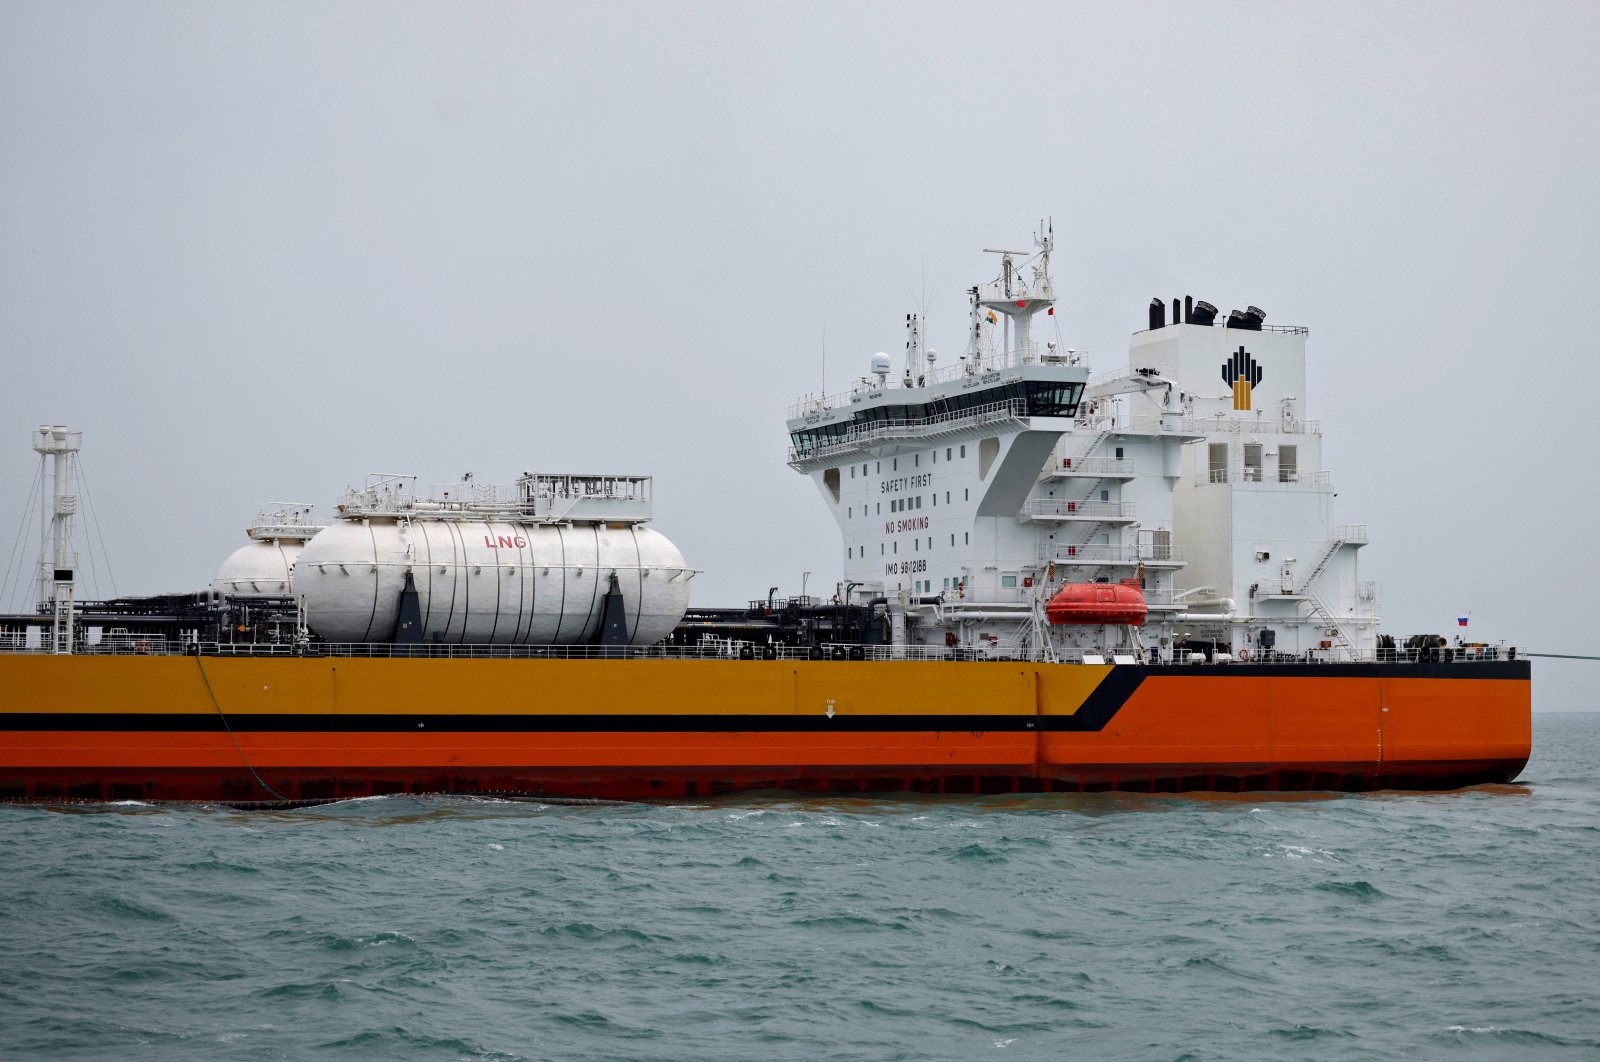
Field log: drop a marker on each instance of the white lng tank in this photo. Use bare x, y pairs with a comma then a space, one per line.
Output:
258, 568
537, 577
263, 567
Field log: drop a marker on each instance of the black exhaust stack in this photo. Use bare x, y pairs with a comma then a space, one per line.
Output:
1248, 319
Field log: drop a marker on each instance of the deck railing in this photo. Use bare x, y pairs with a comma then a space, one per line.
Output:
1104, 553
1281, 478
733, 649
1104, 467
1079, 510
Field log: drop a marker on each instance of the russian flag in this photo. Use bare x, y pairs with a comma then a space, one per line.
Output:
1461, 621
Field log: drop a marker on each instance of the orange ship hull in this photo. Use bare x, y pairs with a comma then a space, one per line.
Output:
289, 729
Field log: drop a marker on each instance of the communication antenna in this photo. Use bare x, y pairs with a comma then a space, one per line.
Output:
822, 394
919, 356
915, 367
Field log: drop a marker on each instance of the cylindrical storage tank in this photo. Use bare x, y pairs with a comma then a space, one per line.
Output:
490, 582
260, 568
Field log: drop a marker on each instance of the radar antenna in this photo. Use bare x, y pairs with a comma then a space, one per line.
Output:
1019, 299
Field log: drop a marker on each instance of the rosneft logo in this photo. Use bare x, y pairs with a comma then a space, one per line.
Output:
1241, 373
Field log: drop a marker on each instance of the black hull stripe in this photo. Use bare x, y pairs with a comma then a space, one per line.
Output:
423, 723
1102, 705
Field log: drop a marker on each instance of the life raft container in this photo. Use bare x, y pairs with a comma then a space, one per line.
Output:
1099, 603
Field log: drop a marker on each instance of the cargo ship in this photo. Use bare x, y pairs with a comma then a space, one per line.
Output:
1048, 582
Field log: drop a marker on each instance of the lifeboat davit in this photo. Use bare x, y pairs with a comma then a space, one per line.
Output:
1099, 603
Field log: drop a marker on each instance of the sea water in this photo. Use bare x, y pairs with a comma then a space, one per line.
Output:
1461, 924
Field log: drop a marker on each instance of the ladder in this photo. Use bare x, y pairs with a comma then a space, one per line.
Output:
61, 630
1319, 608
1322, 563
1088, 451
1340, 539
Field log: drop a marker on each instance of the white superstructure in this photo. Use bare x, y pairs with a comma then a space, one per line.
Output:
968, 494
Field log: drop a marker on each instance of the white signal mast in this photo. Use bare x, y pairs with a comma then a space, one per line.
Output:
57, 447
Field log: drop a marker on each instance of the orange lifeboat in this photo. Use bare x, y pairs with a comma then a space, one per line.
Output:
1099, 603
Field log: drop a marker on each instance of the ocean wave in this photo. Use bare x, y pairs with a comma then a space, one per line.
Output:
1119, 927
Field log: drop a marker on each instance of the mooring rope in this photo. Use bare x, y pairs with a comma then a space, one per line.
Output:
199, 663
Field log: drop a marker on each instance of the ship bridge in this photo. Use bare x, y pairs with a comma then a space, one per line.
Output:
937, 406
934, 474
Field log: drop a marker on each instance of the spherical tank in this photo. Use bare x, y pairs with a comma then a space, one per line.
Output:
490, 582
262, 567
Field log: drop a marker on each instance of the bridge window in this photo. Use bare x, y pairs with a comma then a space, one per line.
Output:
1217, 457
1047, 399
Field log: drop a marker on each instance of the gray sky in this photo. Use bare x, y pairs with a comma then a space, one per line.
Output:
256, 251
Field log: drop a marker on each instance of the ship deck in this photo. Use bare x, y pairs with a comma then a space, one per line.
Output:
734, 650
